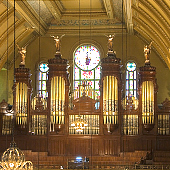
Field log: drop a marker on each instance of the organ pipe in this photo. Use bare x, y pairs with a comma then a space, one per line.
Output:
57, 100
147, 102
21, 103
110, 100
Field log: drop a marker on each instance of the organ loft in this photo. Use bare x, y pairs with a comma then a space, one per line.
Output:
92, 117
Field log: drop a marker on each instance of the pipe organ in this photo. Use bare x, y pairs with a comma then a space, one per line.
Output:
45, 124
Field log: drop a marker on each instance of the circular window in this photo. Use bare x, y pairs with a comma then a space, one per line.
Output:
87, 57
131, 66
44, 67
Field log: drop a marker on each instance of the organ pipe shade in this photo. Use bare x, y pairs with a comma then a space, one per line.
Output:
57, 100
148, 102
21, 103
110, 100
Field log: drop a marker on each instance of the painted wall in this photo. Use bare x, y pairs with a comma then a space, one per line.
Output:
132, 49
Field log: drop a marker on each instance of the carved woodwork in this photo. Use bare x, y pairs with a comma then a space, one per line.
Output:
111, 67
147, 73
110, 143
22, 75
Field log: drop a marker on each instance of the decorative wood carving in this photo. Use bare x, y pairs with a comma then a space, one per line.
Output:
3, 106
166, 105
111, 67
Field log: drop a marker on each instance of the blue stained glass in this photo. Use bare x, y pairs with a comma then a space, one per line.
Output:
43, 77
44, 67
131, 66
131, 78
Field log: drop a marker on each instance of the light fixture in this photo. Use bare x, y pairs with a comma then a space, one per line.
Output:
79, 124
13, 158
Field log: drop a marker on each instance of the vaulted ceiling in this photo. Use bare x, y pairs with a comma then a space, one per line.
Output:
147, 19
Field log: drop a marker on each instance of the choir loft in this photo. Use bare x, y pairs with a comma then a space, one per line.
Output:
85, 84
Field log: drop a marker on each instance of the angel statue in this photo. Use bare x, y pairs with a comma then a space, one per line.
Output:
110, 42
147, 51
57, 42
22, 51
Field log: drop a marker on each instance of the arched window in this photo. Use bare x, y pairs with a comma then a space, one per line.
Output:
87, 67
131, 80
42, 80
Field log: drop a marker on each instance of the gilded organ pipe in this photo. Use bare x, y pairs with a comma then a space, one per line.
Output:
148, 102
57, 100
21, 103
110, 100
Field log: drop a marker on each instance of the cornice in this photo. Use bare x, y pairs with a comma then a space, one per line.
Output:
109, 8
97, 22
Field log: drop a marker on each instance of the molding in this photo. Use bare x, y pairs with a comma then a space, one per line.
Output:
128, 15
109, 8
53, 8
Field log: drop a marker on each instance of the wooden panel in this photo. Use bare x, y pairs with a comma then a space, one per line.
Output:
111, 147
71, 147
163, 145
95, 147
57, 147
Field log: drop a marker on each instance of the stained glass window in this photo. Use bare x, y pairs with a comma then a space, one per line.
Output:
87, 67
43, 77
131, 86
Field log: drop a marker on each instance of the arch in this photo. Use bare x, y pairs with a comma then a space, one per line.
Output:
86, 66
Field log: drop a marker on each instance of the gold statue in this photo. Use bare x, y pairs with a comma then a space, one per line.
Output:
147, 51
22, 51
110, 42
57, 42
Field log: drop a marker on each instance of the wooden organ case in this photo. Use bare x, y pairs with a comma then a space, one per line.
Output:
45, 126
